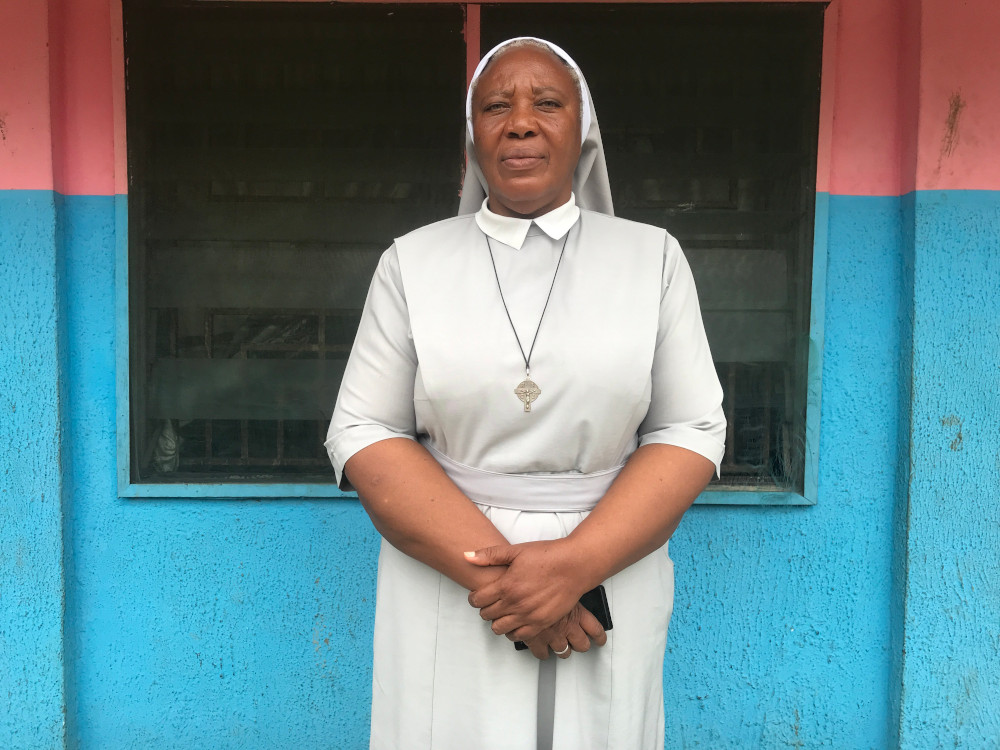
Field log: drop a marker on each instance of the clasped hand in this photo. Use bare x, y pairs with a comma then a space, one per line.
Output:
536, 600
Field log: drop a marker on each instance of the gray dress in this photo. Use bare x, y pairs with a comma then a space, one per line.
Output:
622, 360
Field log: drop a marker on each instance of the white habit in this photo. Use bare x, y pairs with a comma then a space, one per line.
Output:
622, 360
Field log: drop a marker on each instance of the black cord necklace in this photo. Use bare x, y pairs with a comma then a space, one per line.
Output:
527, 390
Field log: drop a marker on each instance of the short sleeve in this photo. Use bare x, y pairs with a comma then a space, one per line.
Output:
686, 398
376, 395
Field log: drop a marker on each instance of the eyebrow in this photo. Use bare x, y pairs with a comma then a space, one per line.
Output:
546, 89
496, 92
536, 90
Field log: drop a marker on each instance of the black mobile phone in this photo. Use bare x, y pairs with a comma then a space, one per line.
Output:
596, 602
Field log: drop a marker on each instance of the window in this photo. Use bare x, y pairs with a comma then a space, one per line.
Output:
276, 149
274, 152
709, 116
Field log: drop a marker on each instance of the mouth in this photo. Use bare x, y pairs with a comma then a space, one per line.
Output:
521, 159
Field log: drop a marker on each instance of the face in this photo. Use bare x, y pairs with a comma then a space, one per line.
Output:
526, 127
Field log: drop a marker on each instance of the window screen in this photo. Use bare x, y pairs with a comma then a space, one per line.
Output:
275, 149
274, 152
709, 116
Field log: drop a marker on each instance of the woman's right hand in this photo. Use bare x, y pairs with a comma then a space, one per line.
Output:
579, 629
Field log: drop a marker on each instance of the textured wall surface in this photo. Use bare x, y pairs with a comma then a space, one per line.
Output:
870, 620
25, 121
31, 519
781, 618
951, 695
251, 621
222, 624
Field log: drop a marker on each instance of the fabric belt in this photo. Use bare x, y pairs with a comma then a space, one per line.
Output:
540, 493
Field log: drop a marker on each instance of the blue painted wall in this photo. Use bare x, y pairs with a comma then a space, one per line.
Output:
192, 623
780, 636
246, 623
951, 670
31, 520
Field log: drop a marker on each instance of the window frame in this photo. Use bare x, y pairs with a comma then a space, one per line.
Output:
127, 488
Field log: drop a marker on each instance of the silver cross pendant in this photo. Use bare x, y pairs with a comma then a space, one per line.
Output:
527, 390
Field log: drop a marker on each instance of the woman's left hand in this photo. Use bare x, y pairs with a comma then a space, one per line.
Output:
543, 582
577, 631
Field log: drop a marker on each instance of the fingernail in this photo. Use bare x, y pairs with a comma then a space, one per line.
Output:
470, 555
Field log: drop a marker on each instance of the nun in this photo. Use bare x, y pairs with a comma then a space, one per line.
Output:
529, 409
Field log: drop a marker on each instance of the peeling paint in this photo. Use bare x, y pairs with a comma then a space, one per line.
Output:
949, 142
953, 421
950, 139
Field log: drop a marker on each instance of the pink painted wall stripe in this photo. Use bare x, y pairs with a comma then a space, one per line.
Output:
888, 65
958, 140
83, 113
916, 97
863, 133
56, 97
25, 123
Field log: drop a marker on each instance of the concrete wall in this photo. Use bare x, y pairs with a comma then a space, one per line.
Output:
870, 620
31, 360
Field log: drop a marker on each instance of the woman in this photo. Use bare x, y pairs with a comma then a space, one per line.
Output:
529, 408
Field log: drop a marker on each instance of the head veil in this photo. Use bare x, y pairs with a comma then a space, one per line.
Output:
590, 180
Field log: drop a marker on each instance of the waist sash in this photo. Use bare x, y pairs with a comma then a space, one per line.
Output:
539, 493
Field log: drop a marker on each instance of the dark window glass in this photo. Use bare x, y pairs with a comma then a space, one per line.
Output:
274, 152
709, 115
276, 149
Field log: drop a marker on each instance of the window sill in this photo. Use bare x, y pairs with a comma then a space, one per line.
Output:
727, 496
316, 491
234, 491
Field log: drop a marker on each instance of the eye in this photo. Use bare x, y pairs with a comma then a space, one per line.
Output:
494, 107
549, 104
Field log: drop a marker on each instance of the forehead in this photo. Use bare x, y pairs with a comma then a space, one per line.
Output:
538, 66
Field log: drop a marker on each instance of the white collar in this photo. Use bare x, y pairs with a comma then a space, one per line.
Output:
511, 231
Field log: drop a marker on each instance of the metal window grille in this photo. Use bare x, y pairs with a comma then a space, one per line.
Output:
276, 149
709, 115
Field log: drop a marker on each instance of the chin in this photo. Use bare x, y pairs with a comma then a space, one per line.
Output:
526, 202
525, 209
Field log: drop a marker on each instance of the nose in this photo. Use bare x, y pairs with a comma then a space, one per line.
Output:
521, 122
